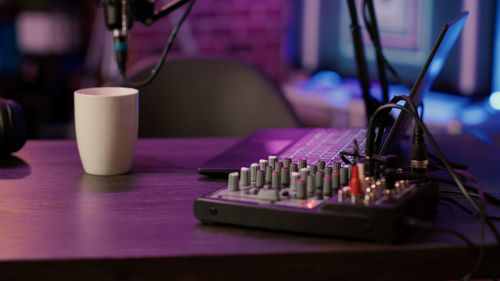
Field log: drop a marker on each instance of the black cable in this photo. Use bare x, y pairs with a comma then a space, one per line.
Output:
462, 207
414, 223
422, 108
370, 148
370, 21
415, 176
382, 62
170, 41
168, 8
453, 164
395, 99
458, 192
489, 198
396, 75
480, 257
479, 208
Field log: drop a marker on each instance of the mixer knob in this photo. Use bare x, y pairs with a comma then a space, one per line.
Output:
276, 180
344, 180
304, 172
335, 180
287, 161
311, 184
285, 176
319, 178
327, 185
244, 176
232, 182
321, 165
269, 174
313, 169
263, 164
294, 167
294, 178
272, 161
336, 166
253, 172
301, 189
278, 166
302, 163
259, 181
328, 171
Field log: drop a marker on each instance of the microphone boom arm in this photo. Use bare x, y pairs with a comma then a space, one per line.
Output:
143, 10
371, 104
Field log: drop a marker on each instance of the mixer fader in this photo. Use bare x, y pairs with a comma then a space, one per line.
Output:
331, 199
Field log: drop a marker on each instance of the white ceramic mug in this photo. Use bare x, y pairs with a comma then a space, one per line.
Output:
106, 123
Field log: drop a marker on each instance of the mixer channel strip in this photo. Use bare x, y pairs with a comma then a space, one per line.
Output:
320, 199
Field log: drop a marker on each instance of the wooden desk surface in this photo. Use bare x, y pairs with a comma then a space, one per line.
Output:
58, 223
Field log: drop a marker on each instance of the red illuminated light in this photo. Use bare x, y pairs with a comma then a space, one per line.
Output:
311, 204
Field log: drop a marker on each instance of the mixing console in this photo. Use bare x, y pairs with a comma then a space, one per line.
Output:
331, 200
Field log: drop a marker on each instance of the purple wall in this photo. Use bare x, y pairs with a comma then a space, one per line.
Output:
249, 30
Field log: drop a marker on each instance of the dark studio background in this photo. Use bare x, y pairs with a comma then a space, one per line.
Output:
50, 48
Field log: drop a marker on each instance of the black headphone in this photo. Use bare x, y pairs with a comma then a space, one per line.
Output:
13, 133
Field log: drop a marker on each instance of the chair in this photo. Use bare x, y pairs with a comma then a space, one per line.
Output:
196, 97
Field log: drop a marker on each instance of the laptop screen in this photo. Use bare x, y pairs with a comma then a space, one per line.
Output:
433, 66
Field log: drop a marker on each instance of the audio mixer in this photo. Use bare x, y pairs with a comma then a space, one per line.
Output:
316, 198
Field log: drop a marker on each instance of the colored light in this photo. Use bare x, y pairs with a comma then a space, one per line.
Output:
311, 204
436, 66
442, 108
495, 81
495, 100
324, 79
338, 97
473, 115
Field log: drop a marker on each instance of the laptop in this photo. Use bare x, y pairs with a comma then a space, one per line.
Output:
325, 144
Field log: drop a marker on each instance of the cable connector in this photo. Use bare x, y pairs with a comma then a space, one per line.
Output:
419, 156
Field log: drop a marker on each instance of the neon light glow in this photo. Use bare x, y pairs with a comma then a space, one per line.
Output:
324, 79
473, 115
495, 100
436, 66
441, 108
495, 81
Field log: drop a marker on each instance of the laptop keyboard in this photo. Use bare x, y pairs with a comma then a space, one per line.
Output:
325, 144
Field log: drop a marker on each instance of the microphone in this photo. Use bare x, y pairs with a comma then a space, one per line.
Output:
119, 22
119, 16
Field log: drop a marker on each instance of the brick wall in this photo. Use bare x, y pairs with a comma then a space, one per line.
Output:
248, 30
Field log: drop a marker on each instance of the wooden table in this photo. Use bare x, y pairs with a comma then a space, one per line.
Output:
57, 223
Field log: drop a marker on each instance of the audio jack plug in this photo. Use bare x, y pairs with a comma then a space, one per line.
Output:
419, 156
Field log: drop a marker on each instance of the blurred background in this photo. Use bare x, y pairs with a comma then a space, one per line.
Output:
49, 48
